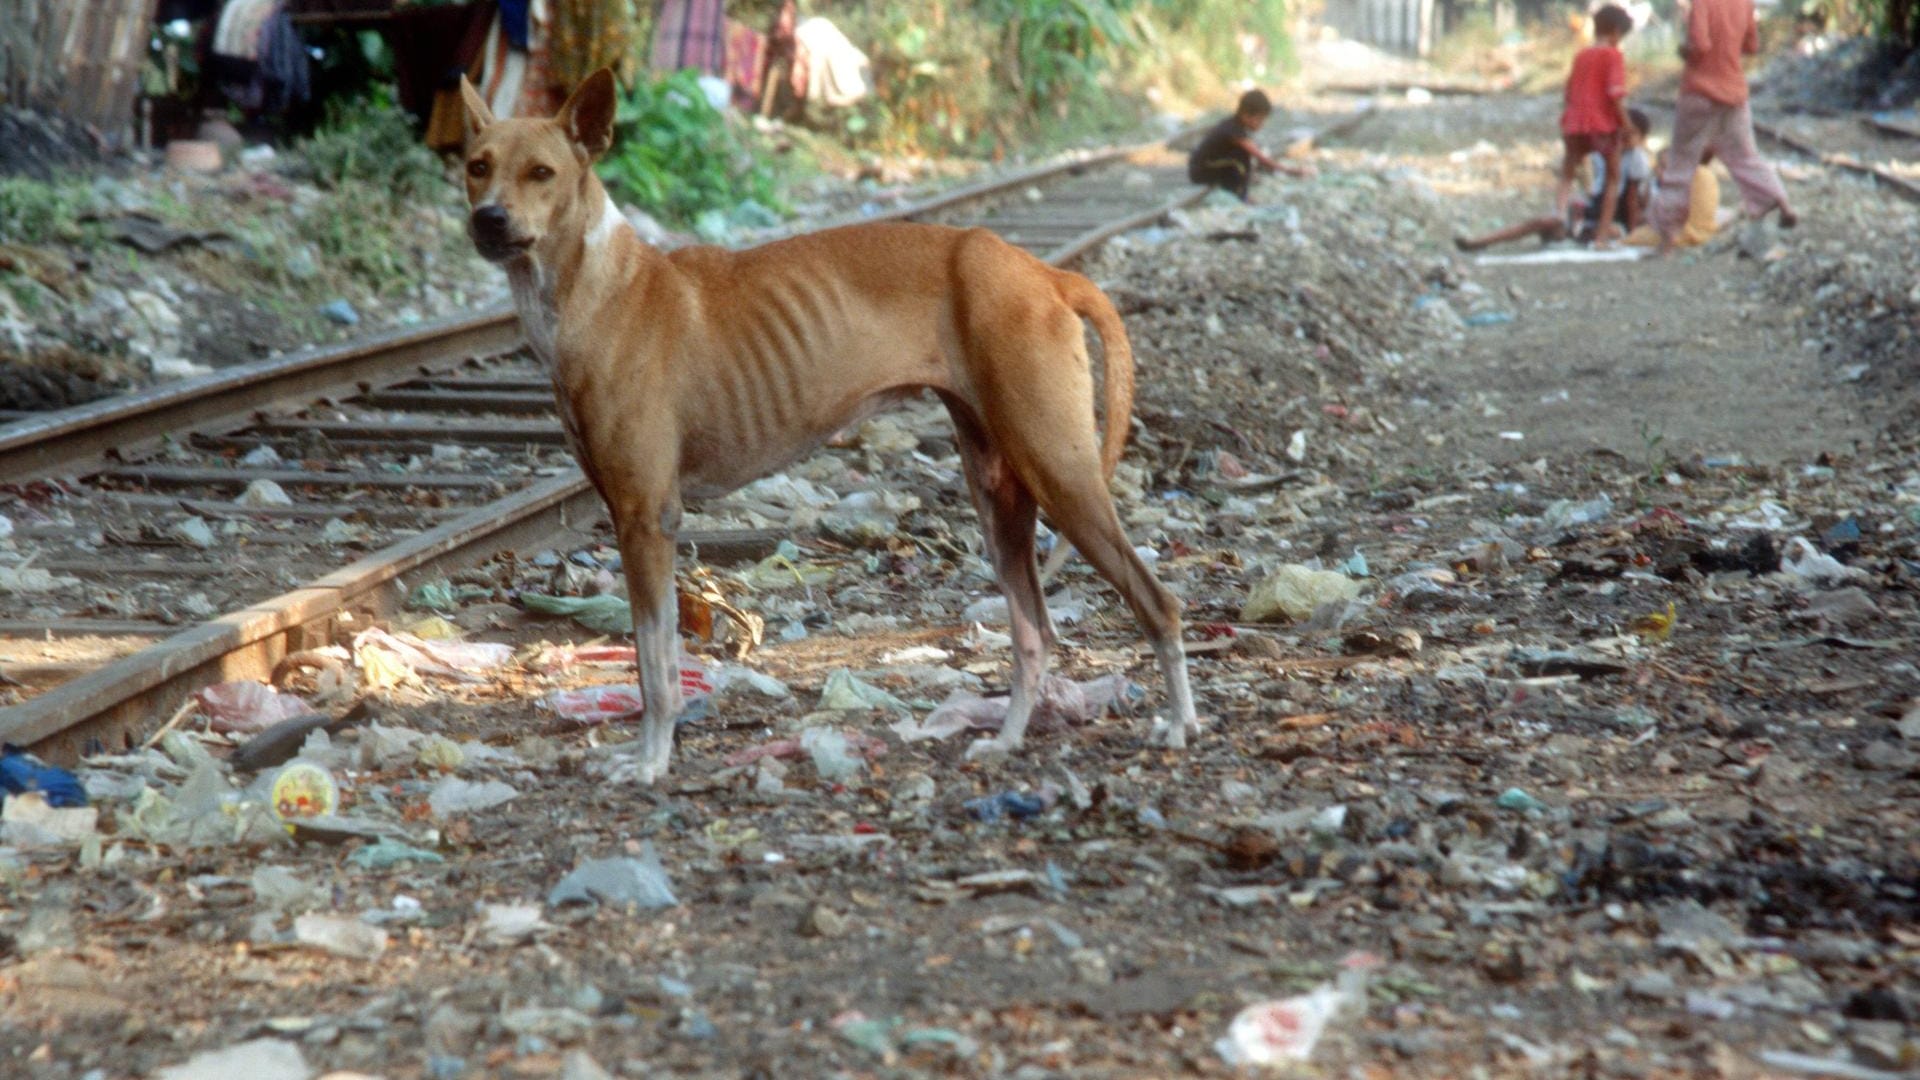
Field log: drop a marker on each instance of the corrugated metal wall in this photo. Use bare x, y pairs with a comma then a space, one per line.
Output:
1408, 27
77, 58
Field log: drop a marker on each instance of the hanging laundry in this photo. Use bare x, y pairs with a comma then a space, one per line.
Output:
837, 71
258, 59
589, 35
516, 81
690, 34
744, 57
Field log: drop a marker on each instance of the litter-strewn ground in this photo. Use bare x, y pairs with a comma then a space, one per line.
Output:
1590, 746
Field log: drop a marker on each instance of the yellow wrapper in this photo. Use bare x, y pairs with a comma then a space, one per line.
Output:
304, 790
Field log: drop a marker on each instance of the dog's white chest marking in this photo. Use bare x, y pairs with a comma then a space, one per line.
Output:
610, 222
540, 319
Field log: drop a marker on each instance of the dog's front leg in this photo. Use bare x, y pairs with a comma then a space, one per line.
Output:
646, 552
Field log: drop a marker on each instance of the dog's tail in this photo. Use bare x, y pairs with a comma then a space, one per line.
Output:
1088, 302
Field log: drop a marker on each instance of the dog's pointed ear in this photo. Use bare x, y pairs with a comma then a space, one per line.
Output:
588, 114
474, 114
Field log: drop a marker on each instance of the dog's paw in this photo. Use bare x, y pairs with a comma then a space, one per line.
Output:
639, 769
990, 749
1171, 735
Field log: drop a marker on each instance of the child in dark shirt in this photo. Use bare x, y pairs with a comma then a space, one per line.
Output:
1226, 155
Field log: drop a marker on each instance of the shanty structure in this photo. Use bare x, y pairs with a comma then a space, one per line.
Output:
79, 59
1408, 27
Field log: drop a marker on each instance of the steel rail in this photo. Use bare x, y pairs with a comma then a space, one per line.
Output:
1903, 187
1900, 185
104, 707
50, 444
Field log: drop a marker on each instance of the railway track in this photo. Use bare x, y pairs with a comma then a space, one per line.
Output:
195, 533
1885, 152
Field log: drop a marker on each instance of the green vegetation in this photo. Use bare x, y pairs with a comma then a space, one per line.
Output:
373, 144
1896, 21
38, 212
979, 76
678, 157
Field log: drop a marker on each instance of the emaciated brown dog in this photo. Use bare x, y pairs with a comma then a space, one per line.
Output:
698, 371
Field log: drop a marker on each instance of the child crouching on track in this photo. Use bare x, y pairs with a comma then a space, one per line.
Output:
1226, 155
1582, 218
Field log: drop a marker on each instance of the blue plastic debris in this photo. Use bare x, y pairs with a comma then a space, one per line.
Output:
21, 772
1019, 805
1841, 533
341, 312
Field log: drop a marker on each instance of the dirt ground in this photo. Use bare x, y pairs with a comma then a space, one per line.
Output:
1581, 783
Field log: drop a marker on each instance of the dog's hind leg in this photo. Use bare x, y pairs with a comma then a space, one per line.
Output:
1007, 517
646, 553
1051, 441
1079, 502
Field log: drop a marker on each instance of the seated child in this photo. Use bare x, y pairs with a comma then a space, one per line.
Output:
1582, 220
1705, 215
1226, 155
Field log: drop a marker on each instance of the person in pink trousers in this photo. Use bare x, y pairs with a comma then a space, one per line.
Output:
1712, 114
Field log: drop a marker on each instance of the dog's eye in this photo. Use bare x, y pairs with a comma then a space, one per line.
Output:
477, 169
540, 172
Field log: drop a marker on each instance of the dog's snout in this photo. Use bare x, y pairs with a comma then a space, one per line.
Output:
490, 221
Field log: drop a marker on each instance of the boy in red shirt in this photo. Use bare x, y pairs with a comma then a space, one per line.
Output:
1596, 114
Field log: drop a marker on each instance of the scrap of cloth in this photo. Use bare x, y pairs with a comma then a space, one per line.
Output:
836, 68
432, 46
258, 60
241, 30
745, 47
589, 35
690, 34
514, 81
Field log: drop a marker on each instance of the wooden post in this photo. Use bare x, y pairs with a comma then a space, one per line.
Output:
79, 59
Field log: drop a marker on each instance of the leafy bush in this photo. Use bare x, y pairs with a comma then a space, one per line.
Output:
677, 156
373, 242
933, 81
1896, 21
1215, 30
1053, 47
981, 75
37, 212
372, 144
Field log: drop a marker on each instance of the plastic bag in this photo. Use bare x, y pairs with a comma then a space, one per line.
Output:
599, 704
248, 706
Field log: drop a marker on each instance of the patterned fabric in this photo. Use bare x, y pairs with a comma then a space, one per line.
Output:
515, 82
258, 59
690, 34
744, 54
241, 32
589, 35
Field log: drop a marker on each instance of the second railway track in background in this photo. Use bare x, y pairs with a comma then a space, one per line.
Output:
403, 456
1883, 151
